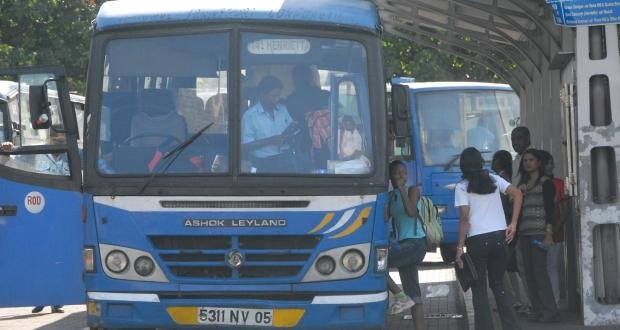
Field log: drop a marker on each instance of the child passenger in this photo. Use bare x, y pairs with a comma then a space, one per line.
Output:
349, 140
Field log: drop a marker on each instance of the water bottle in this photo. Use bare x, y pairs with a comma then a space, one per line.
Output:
539, 244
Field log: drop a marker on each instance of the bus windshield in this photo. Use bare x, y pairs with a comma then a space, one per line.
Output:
451, 121
303, 106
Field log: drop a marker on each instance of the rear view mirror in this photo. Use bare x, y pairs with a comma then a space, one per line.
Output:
40, 115
6, 129
400, 110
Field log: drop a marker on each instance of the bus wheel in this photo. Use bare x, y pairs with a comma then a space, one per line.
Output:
448, 253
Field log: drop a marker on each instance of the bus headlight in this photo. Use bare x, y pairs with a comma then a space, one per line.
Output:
88, 255
325, 265
340, 263
144, 266
353, 261
381, 256
117, 261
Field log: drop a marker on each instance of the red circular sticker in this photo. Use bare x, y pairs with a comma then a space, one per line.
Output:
34, 202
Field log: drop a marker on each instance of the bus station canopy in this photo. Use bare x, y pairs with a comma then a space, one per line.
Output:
517, 39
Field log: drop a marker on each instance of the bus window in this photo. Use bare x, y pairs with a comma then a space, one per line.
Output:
150, 107
453, 120
295, 93
18, 109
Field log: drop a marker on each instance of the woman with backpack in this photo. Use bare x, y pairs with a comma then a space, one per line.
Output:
483, 222
409, 251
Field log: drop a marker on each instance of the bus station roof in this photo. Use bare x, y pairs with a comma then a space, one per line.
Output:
517, 39
351, 13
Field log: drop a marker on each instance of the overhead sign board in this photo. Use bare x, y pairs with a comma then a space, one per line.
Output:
585, 12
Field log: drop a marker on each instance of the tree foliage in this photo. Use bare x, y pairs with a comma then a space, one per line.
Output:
404, 58
47, 32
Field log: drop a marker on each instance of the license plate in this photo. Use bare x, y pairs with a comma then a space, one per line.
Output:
235, 316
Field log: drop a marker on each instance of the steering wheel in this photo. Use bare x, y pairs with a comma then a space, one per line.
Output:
166, 138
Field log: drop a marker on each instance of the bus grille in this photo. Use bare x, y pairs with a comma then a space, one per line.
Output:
204, 257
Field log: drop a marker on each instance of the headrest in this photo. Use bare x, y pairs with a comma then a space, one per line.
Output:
157, 102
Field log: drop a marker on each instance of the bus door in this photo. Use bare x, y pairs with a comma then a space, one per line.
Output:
40, 200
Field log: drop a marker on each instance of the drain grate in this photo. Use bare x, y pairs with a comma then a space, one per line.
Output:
437, 316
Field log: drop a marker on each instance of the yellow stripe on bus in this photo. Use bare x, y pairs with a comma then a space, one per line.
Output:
183, 315
361, 218
287, 318
326, 219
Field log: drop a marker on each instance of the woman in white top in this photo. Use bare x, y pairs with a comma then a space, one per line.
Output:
483, 221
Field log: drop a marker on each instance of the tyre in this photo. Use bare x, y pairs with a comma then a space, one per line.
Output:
448, 253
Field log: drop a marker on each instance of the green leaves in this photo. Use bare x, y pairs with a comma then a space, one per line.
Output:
47, 32
404, 58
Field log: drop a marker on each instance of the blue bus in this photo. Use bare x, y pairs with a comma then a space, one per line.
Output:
434, 121
234, 170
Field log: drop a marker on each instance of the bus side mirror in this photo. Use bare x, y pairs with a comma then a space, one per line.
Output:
400, 110
40, 115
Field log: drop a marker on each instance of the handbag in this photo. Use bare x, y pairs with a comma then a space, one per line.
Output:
468, 274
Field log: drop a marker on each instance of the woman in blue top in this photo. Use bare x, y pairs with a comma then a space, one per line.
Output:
411, 248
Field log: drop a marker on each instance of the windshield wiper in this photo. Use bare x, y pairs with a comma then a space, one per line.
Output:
174, 153
456, 157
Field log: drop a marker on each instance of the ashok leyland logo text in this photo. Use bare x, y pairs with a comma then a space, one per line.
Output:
209, 223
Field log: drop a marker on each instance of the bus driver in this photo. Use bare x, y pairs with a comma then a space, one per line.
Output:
264, 130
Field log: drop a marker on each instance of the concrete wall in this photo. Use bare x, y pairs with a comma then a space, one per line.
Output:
597, 188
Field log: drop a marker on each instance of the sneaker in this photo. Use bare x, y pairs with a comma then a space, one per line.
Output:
37, 309
401, 305
57, 310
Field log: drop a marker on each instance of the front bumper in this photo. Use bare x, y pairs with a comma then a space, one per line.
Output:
344, 311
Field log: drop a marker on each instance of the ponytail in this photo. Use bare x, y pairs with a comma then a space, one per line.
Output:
480, 181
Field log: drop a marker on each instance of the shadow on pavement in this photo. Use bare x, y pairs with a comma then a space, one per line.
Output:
21, 316
74, 321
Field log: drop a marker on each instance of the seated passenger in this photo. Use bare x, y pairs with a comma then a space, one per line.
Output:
308, 105
156, 120
265, 130
191, 107
349, 140
307, 96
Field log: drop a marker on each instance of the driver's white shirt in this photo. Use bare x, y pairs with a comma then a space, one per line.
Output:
257, 124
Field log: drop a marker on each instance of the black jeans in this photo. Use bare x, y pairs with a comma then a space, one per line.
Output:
538, 283
489, 252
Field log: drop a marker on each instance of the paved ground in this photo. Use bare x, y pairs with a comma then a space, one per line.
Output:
444, 304
446, 308
74, 318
